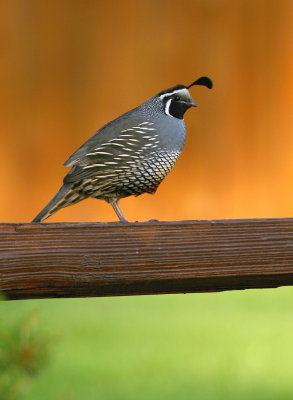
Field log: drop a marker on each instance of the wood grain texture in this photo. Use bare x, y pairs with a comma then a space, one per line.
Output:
109, 259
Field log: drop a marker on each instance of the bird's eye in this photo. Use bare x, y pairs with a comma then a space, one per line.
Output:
177, 98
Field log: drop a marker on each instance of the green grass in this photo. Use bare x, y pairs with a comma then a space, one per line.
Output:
233, 345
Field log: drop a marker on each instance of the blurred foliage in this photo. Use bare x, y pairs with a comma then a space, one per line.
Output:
24, 352
216, 346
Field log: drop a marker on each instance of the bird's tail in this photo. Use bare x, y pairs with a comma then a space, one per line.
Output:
65, 197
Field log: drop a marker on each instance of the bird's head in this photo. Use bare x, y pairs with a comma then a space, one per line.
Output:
176, 100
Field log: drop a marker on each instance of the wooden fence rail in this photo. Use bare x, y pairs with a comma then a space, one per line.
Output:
110, 259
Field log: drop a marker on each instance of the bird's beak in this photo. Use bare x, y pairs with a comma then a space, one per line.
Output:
192, 103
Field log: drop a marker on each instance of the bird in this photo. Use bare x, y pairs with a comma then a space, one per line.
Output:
130, 155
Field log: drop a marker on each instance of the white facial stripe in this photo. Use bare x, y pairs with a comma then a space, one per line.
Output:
167, 107
185, 91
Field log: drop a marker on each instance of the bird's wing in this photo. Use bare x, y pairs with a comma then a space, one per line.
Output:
109, 131
116, 146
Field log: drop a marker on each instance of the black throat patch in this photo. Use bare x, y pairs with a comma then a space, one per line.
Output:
177, 109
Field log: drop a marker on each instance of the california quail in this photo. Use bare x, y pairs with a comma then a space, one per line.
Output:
130, 155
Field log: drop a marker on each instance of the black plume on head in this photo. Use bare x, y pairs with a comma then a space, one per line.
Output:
202, 81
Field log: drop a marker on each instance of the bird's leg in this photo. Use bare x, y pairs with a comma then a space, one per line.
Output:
114, 204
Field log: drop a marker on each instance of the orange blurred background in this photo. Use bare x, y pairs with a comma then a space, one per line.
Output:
68, 67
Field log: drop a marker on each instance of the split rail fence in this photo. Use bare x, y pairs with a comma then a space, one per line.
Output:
111, 259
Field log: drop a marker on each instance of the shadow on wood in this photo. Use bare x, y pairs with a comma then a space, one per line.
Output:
111, 259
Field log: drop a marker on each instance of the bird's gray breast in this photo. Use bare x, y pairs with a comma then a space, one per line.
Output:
171, 132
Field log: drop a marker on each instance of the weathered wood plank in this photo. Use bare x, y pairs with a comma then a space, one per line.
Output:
109, 259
